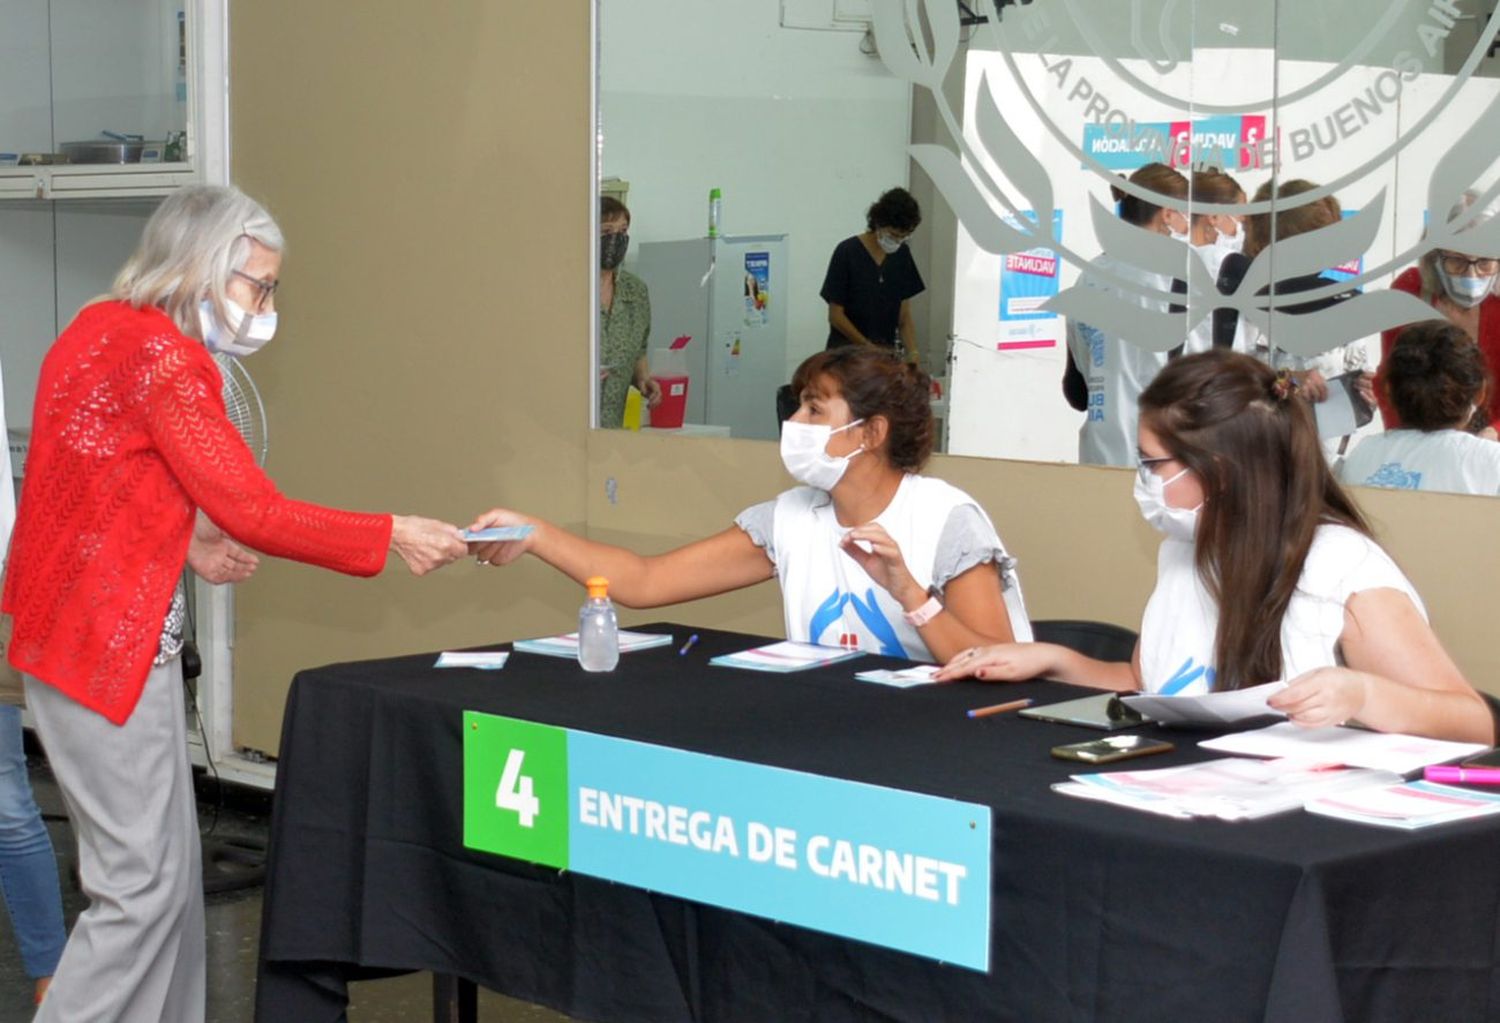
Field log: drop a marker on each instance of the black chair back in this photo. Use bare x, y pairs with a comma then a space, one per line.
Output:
1100, 640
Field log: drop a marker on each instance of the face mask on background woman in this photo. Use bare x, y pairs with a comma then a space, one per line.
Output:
1464, 290
612, 249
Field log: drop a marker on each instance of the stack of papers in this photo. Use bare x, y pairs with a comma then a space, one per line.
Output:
567, 646
783, 657
902, 678
1209, 709
1387, 751
485, 660
1229, 789
1416, 804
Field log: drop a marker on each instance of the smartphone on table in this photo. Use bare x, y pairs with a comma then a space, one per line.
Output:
1110, 749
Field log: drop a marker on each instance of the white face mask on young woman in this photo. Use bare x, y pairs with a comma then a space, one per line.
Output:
1230, 243
247, 336
804, 452
1151, 496
889, 244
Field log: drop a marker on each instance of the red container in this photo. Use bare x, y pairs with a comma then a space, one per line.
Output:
668, 415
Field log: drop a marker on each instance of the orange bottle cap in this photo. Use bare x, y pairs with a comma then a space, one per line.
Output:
598, 586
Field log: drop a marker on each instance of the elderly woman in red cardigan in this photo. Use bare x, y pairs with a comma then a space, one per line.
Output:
134, 469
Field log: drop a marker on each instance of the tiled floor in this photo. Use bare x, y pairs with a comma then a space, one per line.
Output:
233, 922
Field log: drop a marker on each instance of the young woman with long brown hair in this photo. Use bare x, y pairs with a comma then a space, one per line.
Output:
869, 553
1267, 572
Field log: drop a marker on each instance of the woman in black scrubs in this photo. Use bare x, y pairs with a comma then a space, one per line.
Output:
872, 279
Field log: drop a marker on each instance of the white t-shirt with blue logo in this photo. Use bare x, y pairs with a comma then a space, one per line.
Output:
1444, 461
1182, 619
828, 599
1116, 370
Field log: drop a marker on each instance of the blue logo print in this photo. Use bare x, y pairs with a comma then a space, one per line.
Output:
1095, 338
1393, 476
1186, 676
831, 610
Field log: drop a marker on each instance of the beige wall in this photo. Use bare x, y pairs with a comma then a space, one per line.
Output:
429, 164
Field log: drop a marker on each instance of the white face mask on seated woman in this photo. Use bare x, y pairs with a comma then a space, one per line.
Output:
804, 452
1151, 496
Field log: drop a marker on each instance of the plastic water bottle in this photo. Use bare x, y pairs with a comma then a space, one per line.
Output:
715, 211
598, 629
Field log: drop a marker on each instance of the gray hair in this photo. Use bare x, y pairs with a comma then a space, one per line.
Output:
1432, 284
191, 246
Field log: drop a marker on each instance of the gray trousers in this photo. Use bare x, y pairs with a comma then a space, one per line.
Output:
136, 954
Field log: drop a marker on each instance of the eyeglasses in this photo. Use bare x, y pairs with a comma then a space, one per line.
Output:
1457, 264
1144, 466
267, 289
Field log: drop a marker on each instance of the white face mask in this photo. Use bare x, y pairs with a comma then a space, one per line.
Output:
804, 452
1228, 243
1180, 236
889, 245
248, 335
1151, 497
1466, 292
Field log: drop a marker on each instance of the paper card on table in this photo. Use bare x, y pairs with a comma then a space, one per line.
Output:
1209, 709
785, 656
1415, 804
900, 678
1388, 751
567, 645
485, 660
495, 533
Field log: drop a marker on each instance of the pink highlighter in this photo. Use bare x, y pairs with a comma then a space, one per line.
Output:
1463, 775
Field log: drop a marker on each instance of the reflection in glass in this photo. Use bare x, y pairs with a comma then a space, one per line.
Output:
1354, 139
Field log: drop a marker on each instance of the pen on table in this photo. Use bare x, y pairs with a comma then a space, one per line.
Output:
1464, 775
688, 645
998, 708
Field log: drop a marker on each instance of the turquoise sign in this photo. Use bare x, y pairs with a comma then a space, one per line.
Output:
894, 868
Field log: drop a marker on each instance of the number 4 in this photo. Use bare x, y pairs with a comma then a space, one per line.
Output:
515, 792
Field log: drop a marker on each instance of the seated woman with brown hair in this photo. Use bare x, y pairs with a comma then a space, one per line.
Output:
1435, 379
869, 554
1268, 571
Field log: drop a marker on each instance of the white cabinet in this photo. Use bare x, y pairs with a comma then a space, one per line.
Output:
73, 70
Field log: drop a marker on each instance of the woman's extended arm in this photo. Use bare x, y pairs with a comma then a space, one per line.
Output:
1398, 677
1021, 662
725, 561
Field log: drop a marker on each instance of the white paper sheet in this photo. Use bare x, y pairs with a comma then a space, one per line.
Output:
1389, 751
1210, 709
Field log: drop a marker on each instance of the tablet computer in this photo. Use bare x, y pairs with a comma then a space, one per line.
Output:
1104, 712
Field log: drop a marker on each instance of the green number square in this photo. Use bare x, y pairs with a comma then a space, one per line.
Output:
498, 804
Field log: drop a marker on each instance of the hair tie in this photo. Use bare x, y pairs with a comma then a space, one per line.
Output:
1284, 386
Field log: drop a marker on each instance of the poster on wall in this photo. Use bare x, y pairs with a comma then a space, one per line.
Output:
1228, 143
757, 288
1350, 270
1028, 279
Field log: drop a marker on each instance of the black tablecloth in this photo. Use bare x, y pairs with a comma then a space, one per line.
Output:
1099, 913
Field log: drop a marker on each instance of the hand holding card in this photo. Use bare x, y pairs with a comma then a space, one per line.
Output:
500, 536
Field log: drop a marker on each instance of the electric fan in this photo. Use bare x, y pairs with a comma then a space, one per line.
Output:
242, 402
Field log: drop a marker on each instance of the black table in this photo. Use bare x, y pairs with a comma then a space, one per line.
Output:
1099, 913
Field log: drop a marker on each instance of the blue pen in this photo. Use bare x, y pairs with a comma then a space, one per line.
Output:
688, 645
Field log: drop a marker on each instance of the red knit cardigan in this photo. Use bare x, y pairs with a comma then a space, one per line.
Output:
129, 439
